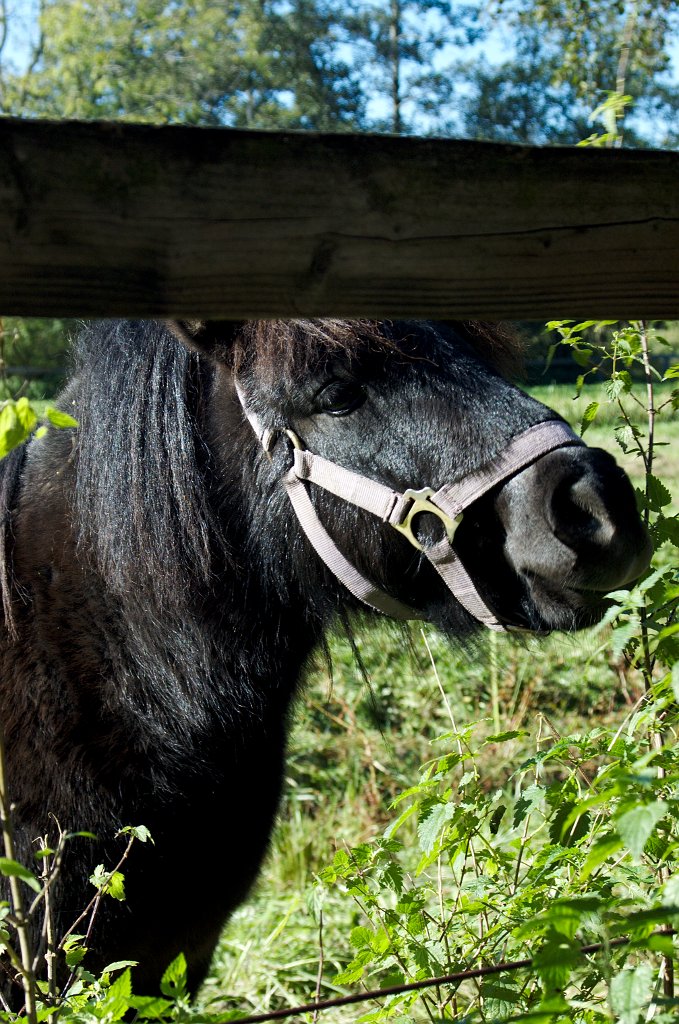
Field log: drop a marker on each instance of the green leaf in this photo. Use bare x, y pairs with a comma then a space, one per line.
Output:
58, 418
630, 993
568, 825
667, 528
110, 882
657, 494
622, 634
17, 422
173, 981
116, 886
429, 828
12, 867
584, 325
501, 737
496, 819
635, 826
119, 965
589, 416
74, 955
675, 681
380, 942
360, 937
152, 1007
531, 798
139, 832
551, 352
600, 852
555, 960
499, 998
117, 1001
672, 372
392, 876
356, 969
619, 384
583, 356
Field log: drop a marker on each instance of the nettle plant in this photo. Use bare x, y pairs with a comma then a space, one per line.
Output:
580, 848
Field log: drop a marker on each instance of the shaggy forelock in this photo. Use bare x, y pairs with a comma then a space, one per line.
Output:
271, 348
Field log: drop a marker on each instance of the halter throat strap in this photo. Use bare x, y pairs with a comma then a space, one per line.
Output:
399, 510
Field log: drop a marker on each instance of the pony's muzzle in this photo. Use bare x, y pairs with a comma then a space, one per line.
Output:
580, 498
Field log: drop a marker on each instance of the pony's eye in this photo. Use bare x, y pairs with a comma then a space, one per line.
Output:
340, 397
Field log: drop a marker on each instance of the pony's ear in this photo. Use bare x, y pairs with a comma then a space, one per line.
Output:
212, 338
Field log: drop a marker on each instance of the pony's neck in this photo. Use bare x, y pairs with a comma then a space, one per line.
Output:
235, 650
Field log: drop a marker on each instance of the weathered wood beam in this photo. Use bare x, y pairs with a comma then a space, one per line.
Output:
117, 219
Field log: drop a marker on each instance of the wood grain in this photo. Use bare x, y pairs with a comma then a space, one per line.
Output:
116, 219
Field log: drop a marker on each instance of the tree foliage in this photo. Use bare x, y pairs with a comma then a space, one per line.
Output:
402, 66
253, 62
587, 51
400, 48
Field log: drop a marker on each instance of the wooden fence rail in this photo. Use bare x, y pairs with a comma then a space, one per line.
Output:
117, 219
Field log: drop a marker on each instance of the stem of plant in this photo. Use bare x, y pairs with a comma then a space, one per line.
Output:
50, 868
321, 958
26, 971
656, 737
92, 909
494, 680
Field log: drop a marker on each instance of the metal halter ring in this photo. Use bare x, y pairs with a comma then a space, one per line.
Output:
296, 442
421, 502
268, 439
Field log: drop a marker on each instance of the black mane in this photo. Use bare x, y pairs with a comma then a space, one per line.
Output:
142, 466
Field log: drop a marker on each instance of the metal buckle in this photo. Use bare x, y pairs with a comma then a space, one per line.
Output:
270, 436
296, 442
421, 502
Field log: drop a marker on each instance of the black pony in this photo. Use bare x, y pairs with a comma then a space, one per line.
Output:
161, 598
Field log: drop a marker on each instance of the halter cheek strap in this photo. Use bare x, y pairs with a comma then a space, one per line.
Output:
400, 510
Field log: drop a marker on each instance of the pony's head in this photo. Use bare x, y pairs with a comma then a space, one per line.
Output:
348, 419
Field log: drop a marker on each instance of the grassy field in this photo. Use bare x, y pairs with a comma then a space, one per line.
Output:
357, 744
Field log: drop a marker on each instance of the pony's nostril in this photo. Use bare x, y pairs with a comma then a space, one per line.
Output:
579, 516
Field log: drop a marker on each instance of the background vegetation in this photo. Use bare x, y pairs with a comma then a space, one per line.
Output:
546, 814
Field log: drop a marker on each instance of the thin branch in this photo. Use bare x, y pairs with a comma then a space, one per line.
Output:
321, 961
4, 25
36, 57
626, 49
92, 909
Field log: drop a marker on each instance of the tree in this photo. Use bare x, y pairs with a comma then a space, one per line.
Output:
400, 50
584, 52
259, 63
527, 99
318, 87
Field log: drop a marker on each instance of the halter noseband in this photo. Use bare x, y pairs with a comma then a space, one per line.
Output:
399, 510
